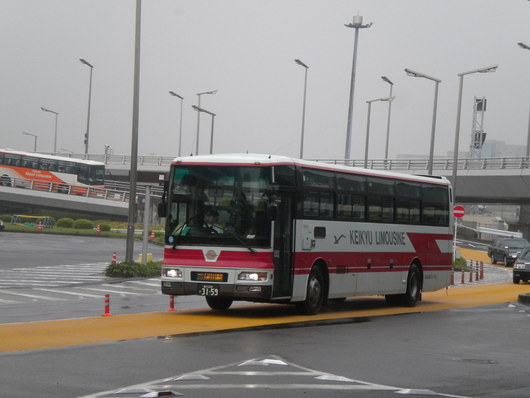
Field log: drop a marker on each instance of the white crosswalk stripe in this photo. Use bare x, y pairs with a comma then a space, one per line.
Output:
67, 282
53, 276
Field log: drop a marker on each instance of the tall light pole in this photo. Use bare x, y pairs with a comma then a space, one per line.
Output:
368, 127
174, 94
526, 47
458, 113
34, 140
84, 62
56, 122
356, 24
131, 216
386, 79
199, 110
437, 82
303, 107
199, 118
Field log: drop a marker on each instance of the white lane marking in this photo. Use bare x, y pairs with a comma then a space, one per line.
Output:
32, 296
113, 291
70, 293
156, 386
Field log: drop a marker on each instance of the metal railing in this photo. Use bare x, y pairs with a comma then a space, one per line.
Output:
438, 164
113, 190
520, 162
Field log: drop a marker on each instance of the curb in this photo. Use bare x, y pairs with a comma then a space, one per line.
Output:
524, 298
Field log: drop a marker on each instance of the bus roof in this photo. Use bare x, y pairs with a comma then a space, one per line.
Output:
242, 159
45, 156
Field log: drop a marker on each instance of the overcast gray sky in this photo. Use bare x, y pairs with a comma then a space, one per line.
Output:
246, 50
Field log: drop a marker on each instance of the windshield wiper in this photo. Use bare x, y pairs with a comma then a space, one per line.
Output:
178, 232
241, 241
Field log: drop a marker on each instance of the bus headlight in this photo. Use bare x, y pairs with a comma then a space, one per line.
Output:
252, 276
172, 273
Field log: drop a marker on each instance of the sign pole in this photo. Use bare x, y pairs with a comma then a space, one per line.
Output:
458, 212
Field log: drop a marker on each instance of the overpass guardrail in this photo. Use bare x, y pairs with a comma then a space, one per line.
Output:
493, 163
113, 190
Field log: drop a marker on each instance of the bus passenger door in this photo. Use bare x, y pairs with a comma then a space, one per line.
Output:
282, 245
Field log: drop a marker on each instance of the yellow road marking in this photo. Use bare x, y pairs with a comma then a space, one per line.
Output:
39, 335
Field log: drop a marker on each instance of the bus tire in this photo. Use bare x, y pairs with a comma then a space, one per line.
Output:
219, 303
413, 293
314, 293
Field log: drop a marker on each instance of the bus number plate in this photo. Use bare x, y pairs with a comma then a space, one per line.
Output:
208, 290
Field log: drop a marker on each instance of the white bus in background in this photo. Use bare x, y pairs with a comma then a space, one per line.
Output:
50, 173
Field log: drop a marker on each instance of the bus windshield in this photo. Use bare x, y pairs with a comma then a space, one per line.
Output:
218, 205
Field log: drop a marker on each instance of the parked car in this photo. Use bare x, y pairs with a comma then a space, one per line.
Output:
521, 267
506, 250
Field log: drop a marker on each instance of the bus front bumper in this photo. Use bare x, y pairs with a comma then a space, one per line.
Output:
237, 292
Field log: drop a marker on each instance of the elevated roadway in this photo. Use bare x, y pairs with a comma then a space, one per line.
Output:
485, 180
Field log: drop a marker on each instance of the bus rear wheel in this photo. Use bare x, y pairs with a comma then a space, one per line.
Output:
314, 294
219, 303
413, 294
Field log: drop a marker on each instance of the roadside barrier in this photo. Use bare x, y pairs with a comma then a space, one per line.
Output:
113, 258
476, 273
152, 235
171, 303
148, 258
107, 305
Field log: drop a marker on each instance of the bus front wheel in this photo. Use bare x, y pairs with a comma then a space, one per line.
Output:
219, 303
314, 294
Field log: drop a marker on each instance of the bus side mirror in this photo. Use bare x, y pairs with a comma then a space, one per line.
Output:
162, 209
272, 212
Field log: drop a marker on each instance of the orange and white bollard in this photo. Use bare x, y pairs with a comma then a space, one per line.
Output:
39, 228
98, 230
171, 303
107, 305
471, 271
476, 271
113, 258
463, 276
452, 277
152, 235
481, 270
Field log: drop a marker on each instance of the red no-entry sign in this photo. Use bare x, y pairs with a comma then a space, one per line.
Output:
459, 211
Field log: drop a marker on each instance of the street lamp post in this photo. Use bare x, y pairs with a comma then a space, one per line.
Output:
437, 82
56, 122
174, 94
356, 24
84, 62
303, 107
34, 140
458, 113
526, 47
199, 118
368, 127
131, 215
199, 110
386, 79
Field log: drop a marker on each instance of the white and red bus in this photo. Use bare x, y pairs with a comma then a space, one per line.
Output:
50, 173
274, 229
